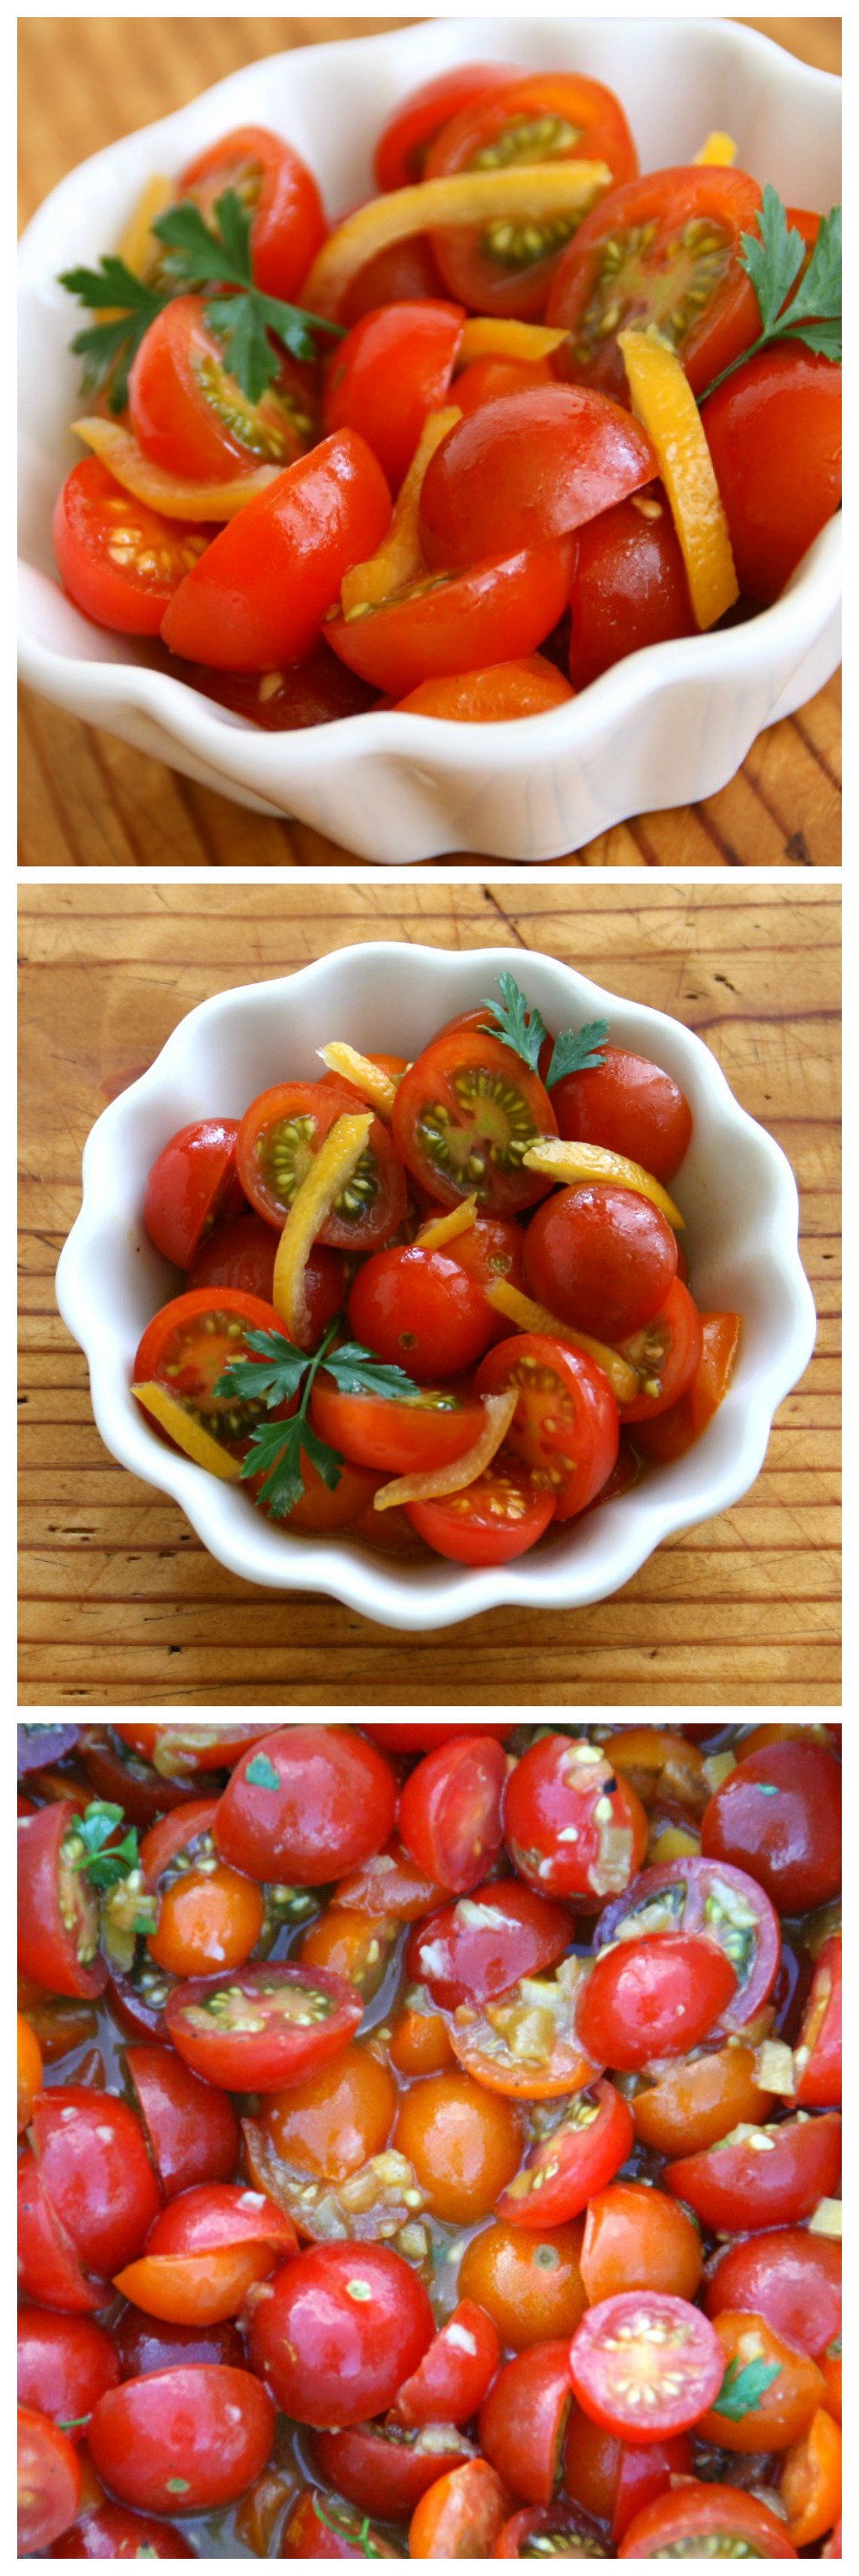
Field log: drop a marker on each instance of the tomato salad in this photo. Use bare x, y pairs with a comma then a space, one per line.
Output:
524, 412
441, 1304
429, 2141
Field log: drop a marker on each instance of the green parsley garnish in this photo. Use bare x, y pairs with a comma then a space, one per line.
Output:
277, 1448
203, 260
772, 257
261, 1773
94, 1829
519, 1025
743, 2387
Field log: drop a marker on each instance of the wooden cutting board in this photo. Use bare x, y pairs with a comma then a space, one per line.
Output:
120, 1604
88, 801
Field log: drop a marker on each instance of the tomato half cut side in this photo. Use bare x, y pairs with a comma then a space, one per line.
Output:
268, 175
58, 1915
190, 416
666, 1355
444, 624
580, 2150
465, 1115
270, 2026
767, 2176
644, 2364
279, 1137
664, 250
565, 1426
500, 1516
478, 1947
549, 116
705, 2521
668, 1435
524, 2042
120, 561
190, 1343
400, 157
724, 1904
49, 2482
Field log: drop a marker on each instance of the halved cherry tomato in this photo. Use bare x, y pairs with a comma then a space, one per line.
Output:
49, 2270
788, 2277
386, 2468
664, 250
712, 2521
769, 2177
488, 379
112, 2532
817, 2058
774, 2406
550, 2534
463, 2142
122, 1777
699, 2100
49, 2482
393, 367
420, 2043
404, 1438
95, 2173
64, 2364
480, 1946
523, 2420
315, 1801
629, 590
338, 2331
668, 1435
208, 1919
353, 1945
580, 2149
504, 693
666, 1355
653, 1998
450, 1811
400, 273
270, 2026
401, 152
187, 1347
329, 2125
810, 2483
547, 116
778, 1816
189, 414
531, 2286
183, 2440
280, 1134
525, 2042
190, 1186
614, 2480
191, 2127
501, 1514
58, 1916
455, 2373
723, 1904
443, 624
391, 1882
267, 174
633, 2241
317, 690
566, 1422
774, 434
319, 2527
465, 1114
525, 469
205, 2251
272, 573
240, 1253
600, 1257
641, 2341
121, 562
461, 2515
572, 1827
419, 1309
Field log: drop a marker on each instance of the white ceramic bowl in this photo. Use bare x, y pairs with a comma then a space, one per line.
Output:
735, 1188
666, 726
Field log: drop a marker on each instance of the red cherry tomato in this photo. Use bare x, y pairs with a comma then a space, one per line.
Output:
48, 2266
64, 2364
817, 2058
145, 2344
455, 2373
421, 1311
663, 250
527, 468
190, 415
112, 2532
58, 1919
317, 1800
778, 1816
588, 2142
573, 1826
552, 2534
450, 1811
95, 2170
205, 2252
386, 2468
478, 1947
190, 1186
668, 1435
279, 1136
499, 1516
288, 222
418, 1739
645, 2340
338, 2331
546, 116
393, 367
49, 2482
743, 2183
120, 561
317, 690
488, 379
241, 1252
320, 2527
441, 625
404, 1439
506, 692
723, 1904
401, 152
774, 434
565, 1425
721, 2520
614, 2480
653, 1998
183, 2440
464, 1115
788, 2277
522, 2420
629, 590
399, 274
627, 1104
187, 1347
269, 2026
258, 596
120, 1776
601, 1258
490, 1250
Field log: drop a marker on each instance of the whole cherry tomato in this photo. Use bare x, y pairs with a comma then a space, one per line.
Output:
183, 2440
463, 2143
314, 1802
653, 1998
600, 1257
778, 1816
774, 434
629, 590
421, 1311
338, 2331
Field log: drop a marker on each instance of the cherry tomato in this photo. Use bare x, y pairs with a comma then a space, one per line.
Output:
478, 1947
187, 1347
547, 116
626, 1102
488, 379
817, 2058
317, 690
190, 1185
441, 625
525, 469
353, 1945
120, 561
112, 2532
333, 2122
29, 2071
204, 2252
614, 2480
810, 2484
450, 1811
58, 1917
461, 2515
629, 590
207, 1919
183, 2440
775, 2405
399, 274
406, 1439
565, 1425
664, 250
722, 1904
391, 1883
774, 434
317, 1801
698, 2100
668, 1435
526, 2043
778, 1815
48, 2266
241, 1252
190, 415
281, 1133
420, 1310
601, 1258
499, 1516
174, 1749
271, 2026
773, 2177
633, 2241
572, 1828
723, 2521
464, 1116
579, 2151
789, 2278
386, 2468
455, 2373
320, 2527
338, 2331
259, 594
125, 1781
49, 2482
95, 2170
419, 2042
653, 1998
645, 2341
666, 1355
64, 2364
288, 222
400, 156
393, 367
523, 2419
536, 2534
419, 1738
145, 2344
530, 2285
490, 1250
463, 2143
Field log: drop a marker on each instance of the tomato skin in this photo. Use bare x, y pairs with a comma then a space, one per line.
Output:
330, 1808
788, 2277
101, 567
288, 224
318, 2527
629, 590
517, 2538
325, 2353
626, 1103
189, 1185
205, 2252
128, 1782
419, 1738
48, 2267
401, 152
496, 612
487, 379
421, 1310
240, 1253
653, 1998
401, 273
51, 1951
633, 2241
144, 2344
504, 694
49, 2482
532, 2287
733, 2187
564, 1812
210, 1918
391, 1883
727, 201
612, 2479
498, 1517
64, 2364
566, 1423
283, 2049
670, 2525
463, 2142
665, 2340
394, 367
817, 2058
383, 2468
702, 1896
593, 2140
461, 1959
111, 2532
450, 1811
789, 1842
528, 468
456, 2372
481, 135
96, 2173
461, 2515
272, 572
402, 1438
336, 2119
183, 2440
522, 2421
774, 434
29, 2069
601, 1258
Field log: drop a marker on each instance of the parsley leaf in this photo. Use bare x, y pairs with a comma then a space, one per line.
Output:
109, 348
743, 2387
772, 258
357, 1372
516, 1022
277, 1448
261, 1773
577, 1050
94, 1828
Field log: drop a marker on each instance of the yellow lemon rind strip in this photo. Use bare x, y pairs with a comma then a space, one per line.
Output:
486, 337
468, 197
376, 1087
460, 1472
139, 247
572, 1162
663, 401
718, 152
329, 1173
188, 1434
399, 558
531, 1317
444, 1229
169, 493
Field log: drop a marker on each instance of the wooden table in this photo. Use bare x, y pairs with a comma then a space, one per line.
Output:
121, 1605
88, 801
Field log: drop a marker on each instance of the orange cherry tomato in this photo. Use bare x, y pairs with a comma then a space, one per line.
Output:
419, 2043
461, 2515
29, 2071
354, 1945
632, 2242
465, 2145
330, 2124
770, 2391
692, 2105
810, 2484
508, 690
530, 2284
207, 1920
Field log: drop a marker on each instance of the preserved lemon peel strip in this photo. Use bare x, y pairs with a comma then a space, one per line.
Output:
399, 559
663, 401
169, 493
187, 1433
438, 1481
468, 197
484, 337
534, 1318
570, 1162
444, 1229
718, 152
139, 247
329, 1173
376, 1086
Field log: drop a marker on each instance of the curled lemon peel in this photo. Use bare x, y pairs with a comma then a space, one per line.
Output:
444, 1229
169, 493
663, 401
486, 337
329, 1173
399, 559
569, 1161
478, 197
531, 1317
435, 1482
375, 1086
188, 1434
718, 152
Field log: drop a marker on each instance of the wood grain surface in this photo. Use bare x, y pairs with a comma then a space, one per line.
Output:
88, 801
120, 1604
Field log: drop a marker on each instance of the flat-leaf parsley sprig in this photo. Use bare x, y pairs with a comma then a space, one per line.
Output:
519, 1025
201, 259
772, 257
277, 1448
